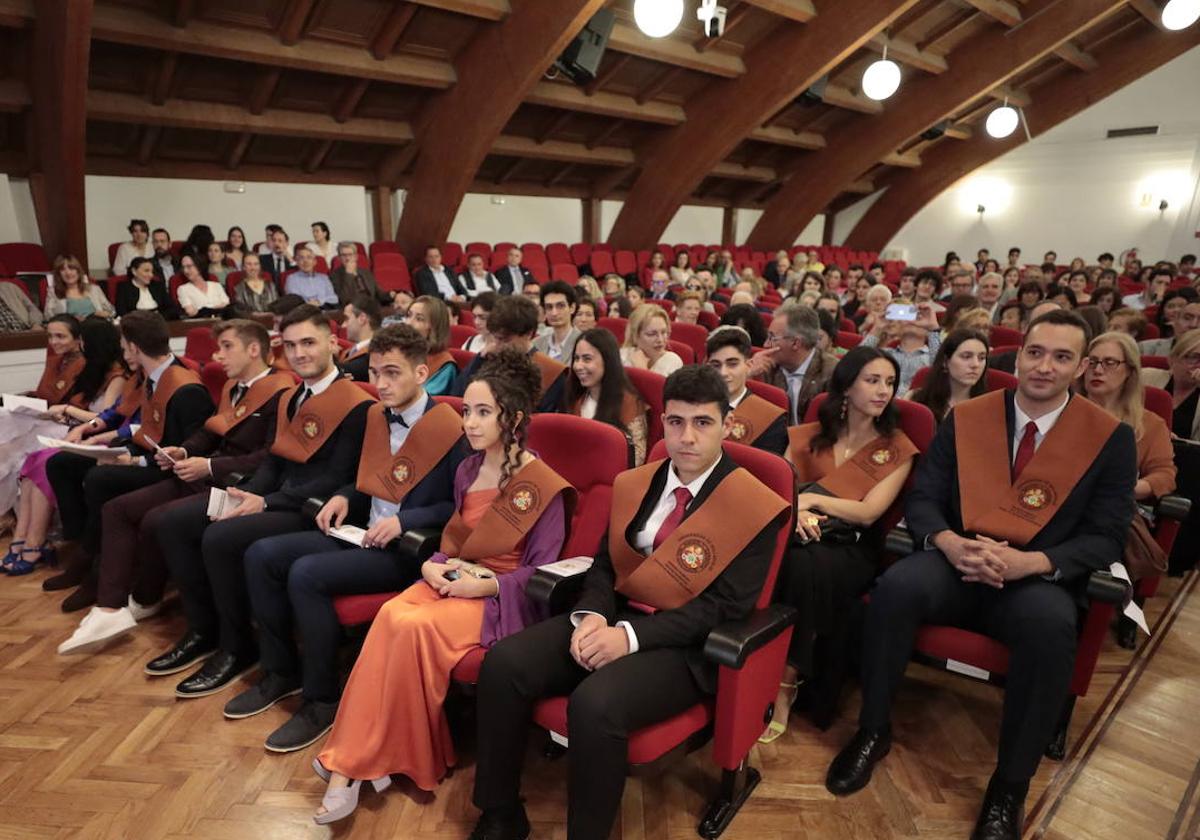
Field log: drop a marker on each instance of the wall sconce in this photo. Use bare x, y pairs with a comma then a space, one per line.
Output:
980, 209
1162, 206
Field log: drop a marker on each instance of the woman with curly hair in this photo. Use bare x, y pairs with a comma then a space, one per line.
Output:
511, 516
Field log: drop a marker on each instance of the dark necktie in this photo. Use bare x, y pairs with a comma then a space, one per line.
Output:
149, 388
1025, 449
682, 497
304, 395
239, 391
392, 417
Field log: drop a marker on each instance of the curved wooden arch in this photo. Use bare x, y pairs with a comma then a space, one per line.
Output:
976, 67
456, 128
1123, 61
679, 158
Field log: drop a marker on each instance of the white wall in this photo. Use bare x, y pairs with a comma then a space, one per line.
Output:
518, 219
17, 220
178, 204
1074, 191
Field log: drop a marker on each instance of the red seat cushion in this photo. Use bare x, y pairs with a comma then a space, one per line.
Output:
360, 609
963, 646
467, 669
646, 744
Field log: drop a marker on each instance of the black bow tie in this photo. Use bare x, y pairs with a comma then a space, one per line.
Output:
393, 417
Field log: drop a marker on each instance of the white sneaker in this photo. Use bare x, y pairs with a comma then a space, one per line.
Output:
141, 612
96, 628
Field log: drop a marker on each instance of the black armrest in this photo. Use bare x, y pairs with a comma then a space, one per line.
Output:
419, 544
1173, 507
1105, 588
556, 592
312, 507
730, 644
899, 541
234, 479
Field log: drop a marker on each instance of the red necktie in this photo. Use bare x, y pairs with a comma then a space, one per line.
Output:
1025, 449
682, 497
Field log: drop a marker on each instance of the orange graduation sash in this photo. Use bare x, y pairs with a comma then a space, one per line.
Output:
751, 418
131, 395
299, 438
154, 410
696, 552
228, 415
512, 514
58, 376
991, 504
437, 361
855, 478
631, 407
389, 476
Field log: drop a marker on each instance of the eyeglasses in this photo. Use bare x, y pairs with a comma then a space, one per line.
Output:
1107, 364
1192, 359
777, 339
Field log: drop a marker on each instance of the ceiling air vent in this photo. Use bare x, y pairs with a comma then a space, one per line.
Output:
1137, 131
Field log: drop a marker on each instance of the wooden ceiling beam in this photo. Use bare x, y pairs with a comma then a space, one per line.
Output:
736, 17
1003, 11
949, 28
351, 95
1125, 60
801, 11
238, 151
317, 154
981, 65
291, 25
59, 79
906, 52
1015, 97
1072, 54
842, 97
1150, 10
184, 9
556, 124
124, 167
482, 9
738, 172
907, 160
561, 150
149, 142
563, 171
603, 186
389, 34
660, 83
496, 71
604, 104
677, 160
607, 73
794, 138
161, 89
264, 89
606, 133
506, 173
715, 62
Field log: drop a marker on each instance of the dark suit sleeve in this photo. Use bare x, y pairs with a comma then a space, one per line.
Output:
190, 406
439, 506
167, 305
728, 598
927, 506
424, 280
380, 295
599, 595
1099, 538
268, 477
775, 438
342, 463
125, 301
250, 462
202, 443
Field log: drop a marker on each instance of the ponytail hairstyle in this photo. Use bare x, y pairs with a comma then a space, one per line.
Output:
515, 383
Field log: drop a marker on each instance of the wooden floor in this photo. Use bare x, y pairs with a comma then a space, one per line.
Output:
92, 748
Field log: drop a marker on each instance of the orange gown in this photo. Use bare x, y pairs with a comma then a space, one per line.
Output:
391, 719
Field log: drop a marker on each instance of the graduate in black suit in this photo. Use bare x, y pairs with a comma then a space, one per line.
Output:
624, 668
363, 317
1010, 534
757, 422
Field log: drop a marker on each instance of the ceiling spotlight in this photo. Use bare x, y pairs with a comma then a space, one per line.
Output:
1180, 14
1002, 121
882, 78
657, 18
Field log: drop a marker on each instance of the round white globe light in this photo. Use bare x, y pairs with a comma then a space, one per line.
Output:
657, 18
1002, 122
881, 79
1180, 14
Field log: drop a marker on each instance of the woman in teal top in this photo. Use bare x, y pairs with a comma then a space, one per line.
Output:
71, 293
430, 317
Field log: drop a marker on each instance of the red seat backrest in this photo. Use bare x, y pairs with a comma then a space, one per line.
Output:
649, 386
452, 255
369, 388
112, 253
1005, 337
1159, 402
682, 350
770, 393
24, 257
460, 334
213, 376
589, 455
625, 262
383, 246
558, 252
616, 326
565, 272
708, 320
190, 364
693, 335
1151, 331
848, 339
454, 402
481, 248
200, 344
462, 358
581, 253
602, 263
1159, 362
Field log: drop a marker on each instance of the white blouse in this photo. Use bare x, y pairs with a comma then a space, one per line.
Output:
193, 300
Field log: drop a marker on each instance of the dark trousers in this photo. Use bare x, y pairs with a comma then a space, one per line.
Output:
292, 580
131, 562
1035, 618
205, 559
604, 707
82, 487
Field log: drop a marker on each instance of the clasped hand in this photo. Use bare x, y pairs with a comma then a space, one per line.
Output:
594, 644
464, 586
987, 561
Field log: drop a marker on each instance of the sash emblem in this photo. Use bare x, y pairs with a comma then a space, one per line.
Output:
524, 497
401, 471
311, 427
60, 384
695, 553
738, 430
239, 411
881, 456
1035, 495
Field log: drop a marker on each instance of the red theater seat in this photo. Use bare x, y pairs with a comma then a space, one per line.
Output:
199, 345
693, 335
649, 386
773, 395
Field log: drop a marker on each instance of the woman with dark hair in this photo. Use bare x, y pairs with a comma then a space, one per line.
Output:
1012, 316
1030, 294
852, 464
958, 373
196, 245
64, 359
200, 297
321, 245
1063, 296
1105, 299
747, 317
658, 262
681, 270
1172, 306
236, 248
472, 593
145, 290
597, 388
430, 317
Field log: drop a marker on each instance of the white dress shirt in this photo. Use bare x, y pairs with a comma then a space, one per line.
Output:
795, 381
1044, 424
445, 287
382, 508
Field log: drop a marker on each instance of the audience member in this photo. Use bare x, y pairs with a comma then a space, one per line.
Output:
145, 291
72, 293
681, 270
481, 308
558, 306
216, 262
363, 317
196, 245
688, 306
756, 421
278, 258
200, 297
321, 245
647, 341
310, 284
17, 311
918, 342
596, 388
586, 313
1152, 294
746, 316
792, 360
254, 292
1128, 320
958, 373
236, 247
435, 280
512, 276
477, 279
430, 317
137, 246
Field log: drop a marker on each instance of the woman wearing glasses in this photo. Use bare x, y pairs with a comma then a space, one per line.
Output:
646, 341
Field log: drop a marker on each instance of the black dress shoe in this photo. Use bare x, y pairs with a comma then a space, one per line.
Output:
76, 569
306, 726
502, 824
187, 652
851, 769
1002, 815
218, 672
84, 596
258, 698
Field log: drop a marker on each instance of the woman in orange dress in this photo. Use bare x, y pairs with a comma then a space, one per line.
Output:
511, 515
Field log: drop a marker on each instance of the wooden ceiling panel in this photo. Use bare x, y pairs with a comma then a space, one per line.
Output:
208, 80
300, 91
390, 102
108, 138
277, 149
194, 144
438, 34
962, 34
259, 14
353, 22
117, 68
355, 155
633, 73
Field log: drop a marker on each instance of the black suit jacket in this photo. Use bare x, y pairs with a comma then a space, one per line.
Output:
775, 437
286, 484
243, 449
1088, 532
550, 402
128, 294
358, 368
426, 283
510, 284
346, 285
276, 266
186, 412
728, 598
429, 504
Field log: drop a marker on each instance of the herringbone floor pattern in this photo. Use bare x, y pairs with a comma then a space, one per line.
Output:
92, 748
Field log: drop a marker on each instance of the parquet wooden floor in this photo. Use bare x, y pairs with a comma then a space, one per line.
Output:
92, 748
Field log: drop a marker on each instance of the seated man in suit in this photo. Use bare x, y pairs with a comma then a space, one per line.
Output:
477, 279
130, 566
1010, 535
512, 276
514, 323
405, 481
756, 422
436, 280
793, 360
363, 318
173, 405
624, 668
318, 437
351, 279
278, 258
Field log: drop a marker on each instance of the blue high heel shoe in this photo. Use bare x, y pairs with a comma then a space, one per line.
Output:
10, 559
21, 566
